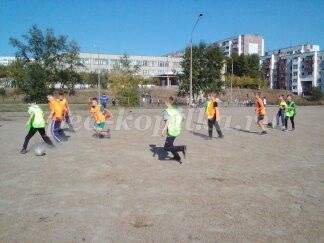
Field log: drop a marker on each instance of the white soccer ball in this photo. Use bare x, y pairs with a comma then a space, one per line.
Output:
39, 151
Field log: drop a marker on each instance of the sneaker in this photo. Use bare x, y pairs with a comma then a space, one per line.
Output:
23, 151
178, 159
293, 129
221, 136
285, 130
263, 133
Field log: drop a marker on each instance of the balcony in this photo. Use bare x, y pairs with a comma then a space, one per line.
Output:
309, 61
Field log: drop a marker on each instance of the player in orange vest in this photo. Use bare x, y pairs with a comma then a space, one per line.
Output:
100, 119
56, 116
260, 111
212, 113
65, 103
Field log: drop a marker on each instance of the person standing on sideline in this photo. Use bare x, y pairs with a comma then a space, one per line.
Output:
158, 102
113, 102
104, 100
264, 101
212, 113
260, 111
281, 110
65, 103
35, 123
172, 129
57, 116
290, 113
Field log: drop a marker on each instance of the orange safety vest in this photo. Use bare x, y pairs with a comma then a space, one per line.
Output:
210, 110
260, 109
59, 110
63, 102
97, 114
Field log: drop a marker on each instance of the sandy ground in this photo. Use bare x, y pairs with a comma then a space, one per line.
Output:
245, 187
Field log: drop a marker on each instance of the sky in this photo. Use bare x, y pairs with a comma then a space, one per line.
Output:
157, 27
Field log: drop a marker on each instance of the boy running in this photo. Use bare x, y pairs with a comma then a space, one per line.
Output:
65, 103
260, 111
212, 113
57, 116
290, 112
35, 123
100, 119
172, 129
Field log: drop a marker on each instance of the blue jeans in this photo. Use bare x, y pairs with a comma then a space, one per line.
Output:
281, 114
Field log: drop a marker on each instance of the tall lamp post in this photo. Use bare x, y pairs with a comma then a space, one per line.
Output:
232, 81
99, 83
191, 96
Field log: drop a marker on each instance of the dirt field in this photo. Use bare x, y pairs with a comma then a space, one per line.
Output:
244, 188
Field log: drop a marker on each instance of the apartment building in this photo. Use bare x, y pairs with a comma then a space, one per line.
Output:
297, 68
242, 44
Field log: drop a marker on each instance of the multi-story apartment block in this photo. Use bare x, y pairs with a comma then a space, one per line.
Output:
242, 44
295, 68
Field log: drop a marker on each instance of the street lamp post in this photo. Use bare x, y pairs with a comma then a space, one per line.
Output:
99, 83
191, 96
232, 82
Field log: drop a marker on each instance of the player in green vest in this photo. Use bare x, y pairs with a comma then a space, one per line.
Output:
35, 123
172, 129
290, 113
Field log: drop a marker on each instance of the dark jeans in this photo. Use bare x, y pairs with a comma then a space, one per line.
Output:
292, 122
281, 114
32, 132
211, 124
104, 105
168, 146
57, 132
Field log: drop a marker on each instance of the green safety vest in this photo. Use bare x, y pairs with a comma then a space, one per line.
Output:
282, 104
174, 127
290, 109
37, 120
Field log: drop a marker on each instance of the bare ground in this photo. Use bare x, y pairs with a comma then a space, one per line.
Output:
245, 187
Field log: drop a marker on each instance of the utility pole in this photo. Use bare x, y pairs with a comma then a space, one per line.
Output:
191, 95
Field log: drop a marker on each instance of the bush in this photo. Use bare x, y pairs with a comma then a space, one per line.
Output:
316, 93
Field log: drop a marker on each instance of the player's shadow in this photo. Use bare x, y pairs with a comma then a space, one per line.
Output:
159, 152
204, 136
243, 130
200, 123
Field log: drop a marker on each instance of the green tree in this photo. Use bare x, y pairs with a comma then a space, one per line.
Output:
316, 93
42, 61
2, 93
207, 65
244, 65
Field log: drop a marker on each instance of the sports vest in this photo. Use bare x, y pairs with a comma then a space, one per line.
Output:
174, 127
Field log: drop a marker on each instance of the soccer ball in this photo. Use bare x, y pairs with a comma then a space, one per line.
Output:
39, 151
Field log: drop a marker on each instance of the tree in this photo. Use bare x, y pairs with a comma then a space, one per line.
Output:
316, 93
207, 65
245, 82
244, 65
42, 60
2, 93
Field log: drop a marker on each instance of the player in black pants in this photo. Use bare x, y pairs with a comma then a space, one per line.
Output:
212, 113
